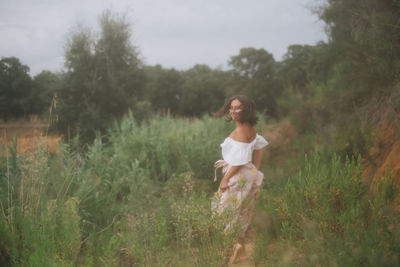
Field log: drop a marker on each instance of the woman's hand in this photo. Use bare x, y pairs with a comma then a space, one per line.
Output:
224, 182
223, 185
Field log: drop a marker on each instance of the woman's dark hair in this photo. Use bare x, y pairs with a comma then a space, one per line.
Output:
248, 113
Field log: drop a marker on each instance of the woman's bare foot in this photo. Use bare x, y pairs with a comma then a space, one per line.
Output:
237, 249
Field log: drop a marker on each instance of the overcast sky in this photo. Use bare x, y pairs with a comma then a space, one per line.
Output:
174, 33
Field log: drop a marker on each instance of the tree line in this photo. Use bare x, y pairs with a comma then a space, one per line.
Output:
104, 78
317, 86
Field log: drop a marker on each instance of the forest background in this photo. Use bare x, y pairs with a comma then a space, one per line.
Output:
130, 184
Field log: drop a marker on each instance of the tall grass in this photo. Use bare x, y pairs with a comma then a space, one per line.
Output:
141, 199
325, 215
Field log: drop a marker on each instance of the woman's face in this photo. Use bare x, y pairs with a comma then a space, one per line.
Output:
235, 109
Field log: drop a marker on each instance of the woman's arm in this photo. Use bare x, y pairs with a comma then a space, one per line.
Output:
258, 154
224, 182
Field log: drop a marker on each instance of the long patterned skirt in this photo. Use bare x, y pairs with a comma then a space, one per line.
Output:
239, 199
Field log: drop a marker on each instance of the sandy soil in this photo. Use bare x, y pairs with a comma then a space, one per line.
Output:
27, 136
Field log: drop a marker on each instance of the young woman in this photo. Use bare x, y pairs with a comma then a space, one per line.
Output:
240, 186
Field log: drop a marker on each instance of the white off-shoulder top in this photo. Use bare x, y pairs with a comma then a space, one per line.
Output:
237, 153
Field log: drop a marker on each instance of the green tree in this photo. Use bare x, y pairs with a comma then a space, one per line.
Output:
44, 87
367, 39
203, 90
294, 67
255, 74
119, 69
304, 72
15, 88
77, 92
163, 88
104, 78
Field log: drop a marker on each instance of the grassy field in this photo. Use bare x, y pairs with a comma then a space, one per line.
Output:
143, 199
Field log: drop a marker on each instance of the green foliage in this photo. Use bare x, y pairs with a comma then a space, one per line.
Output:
194, 92
331, 216
294, 68
15, 88
304, 65
367, 35
163, 88
140, 194
144, 199
255, 75
141, 199
203, 90
41, 229
104, 78
332, 89
163, 145
44, 88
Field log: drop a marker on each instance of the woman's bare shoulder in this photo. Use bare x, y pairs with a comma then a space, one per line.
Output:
244, 134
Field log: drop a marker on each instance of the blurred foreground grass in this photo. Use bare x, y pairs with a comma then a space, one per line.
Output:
143, 199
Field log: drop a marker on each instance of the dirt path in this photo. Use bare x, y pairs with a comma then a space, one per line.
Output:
279, 136
245, 258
